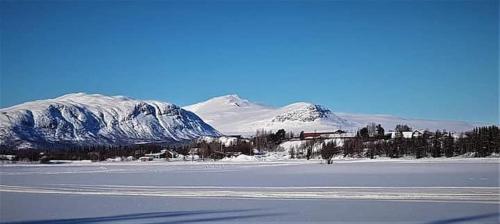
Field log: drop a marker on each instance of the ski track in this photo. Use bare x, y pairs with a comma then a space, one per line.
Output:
140, 168
484, 195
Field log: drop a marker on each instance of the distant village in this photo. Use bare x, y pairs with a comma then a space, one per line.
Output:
371, 142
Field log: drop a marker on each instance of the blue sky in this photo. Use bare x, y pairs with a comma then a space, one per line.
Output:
419, 59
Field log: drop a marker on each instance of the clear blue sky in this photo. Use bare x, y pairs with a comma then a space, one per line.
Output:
420, 59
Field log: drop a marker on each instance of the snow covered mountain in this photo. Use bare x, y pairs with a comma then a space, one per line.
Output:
232, 115
85, 119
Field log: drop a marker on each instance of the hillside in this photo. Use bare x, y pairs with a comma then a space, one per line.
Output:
93, 119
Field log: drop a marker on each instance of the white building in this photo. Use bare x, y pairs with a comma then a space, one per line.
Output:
406, 134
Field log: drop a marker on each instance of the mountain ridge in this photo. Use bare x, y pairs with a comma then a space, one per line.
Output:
222, 113
256, 116
88, 119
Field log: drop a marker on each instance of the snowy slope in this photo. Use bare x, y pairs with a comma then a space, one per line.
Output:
233, 115
96, 119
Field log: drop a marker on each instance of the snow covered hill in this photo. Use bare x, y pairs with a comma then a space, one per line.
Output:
232, 115
85, 119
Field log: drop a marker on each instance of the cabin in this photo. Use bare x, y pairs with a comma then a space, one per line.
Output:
170, 154
158, 155
163, 154
155, 155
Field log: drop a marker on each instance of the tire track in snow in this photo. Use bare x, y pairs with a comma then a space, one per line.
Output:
489, 195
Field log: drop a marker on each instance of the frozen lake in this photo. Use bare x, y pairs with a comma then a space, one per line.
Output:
302, 191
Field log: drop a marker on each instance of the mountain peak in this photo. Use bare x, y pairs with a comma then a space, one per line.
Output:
304, 112
232, 99
233, 115
95, 119
226, 102
230, 96
70, 95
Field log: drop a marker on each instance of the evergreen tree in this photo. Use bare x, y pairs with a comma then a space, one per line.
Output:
363, 133
448, 145
402, 128
380, 131
436, 144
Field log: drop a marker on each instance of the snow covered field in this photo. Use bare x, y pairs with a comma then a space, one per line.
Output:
422, 191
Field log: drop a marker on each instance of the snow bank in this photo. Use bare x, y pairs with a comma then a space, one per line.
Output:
302, 144
268, 157
226, 141
116, 159
240, 158
288, 145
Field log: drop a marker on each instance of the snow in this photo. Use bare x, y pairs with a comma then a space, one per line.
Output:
97, 119
137, 209
90, 119
232, 115
267, 157
301, 145
225, 140
241, 158
82, 118
292, 144
252, 191
116, 159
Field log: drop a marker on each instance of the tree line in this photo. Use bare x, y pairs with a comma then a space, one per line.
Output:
479, 142
93, 152
371, 141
